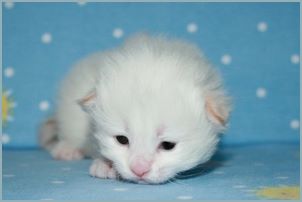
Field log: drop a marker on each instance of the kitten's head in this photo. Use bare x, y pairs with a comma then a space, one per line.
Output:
152, 128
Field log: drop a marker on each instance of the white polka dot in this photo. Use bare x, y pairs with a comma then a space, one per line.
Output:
82, 2
5, 139
249, 190
295, 59
226, 59
8, 92
46, 38
295, 124
117, 33
10, 118
8, 175
120, 189
261, 92
8, 4
239, 186
262, 26
57, 182
9, 72
44, 105
14, 104
282, 177
192, 27
184, 197
262, 187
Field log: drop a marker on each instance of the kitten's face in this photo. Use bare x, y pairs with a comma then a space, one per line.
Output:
153, 142
156, 155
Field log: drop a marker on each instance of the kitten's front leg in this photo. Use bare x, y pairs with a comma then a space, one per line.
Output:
63, 150
102, 169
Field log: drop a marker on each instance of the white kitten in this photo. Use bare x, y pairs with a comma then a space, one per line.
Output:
146, 111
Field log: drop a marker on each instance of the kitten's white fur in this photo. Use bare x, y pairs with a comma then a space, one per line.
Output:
147, 84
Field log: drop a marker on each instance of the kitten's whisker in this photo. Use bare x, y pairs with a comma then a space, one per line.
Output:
179, 183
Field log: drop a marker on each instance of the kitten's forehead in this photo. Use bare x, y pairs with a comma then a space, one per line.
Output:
160, 130
150, 130
140, 124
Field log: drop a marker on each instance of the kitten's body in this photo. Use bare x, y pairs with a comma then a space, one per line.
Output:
151, 90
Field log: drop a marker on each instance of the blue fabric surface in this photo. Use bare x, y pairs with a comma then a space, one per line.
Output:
234, 173
254, 45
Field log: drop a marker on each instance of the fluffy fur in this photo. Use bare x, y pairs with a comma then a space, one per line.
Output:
151, 89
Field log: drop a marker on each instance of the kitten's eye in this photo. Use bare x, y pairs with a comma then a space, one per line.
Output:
167, 145
122, 139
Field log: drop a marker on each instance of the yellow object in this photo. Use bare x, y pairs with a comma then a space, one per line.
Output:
7, 105
286, 192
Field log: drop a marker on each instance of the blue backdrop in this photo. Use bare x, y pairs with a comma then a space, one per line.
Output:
254, 45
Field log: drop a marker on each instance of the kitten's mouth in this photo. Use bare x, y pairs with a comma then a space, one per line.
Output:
140, 180
146, 181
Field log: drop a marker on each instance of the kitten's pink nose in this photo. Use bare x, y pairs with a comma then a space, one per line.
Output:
140, 167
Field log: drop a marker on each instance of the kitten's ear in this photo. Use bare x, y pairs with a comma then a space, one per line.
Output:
88, 102
218, 109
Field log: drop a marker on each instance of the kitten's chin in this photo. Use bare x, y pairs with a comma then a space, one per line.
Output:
157, 178
153, 179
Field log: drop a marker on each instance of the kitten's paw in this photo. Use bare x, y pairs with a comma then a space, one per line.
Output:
63, 151
102, 169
